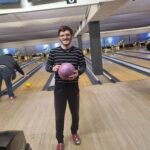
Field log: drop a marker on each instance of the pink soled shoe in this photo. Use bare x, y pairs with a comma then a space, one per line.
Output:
76, 139
60, 146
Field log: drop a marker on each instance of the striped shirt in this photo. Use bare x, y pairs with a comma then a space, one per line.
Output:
72, 55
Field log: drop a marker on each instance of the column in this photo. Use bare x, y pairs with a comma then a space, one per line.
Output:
79, 37
95, 44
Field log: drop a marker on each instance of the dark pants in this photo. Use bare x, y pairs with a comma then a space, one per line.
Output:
66, 92
5, 73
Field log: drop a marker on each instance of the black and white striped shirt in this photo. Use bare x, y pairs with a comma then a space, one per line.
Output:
72, 55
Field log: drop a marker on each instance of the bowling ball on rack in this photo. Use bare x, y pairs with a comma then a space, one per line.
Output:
27, 84
66, 70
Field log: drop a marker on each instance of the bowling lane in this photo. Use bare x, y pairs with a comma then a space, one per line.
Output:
84, 80
139, 51
140, 62
122, 73
38, 80
135, 54
26, 70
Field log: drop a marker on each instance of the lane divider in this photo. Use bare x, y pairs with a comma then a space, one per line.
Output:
109, 76
143, 70
47, 85
92, 76
147, 59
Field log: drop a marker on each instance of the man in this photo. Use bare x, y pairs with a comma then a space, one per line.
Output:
7, 72
66, 90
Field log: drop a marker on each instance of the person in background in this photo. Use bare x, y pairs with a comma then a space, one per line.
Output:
7, 73
66, 90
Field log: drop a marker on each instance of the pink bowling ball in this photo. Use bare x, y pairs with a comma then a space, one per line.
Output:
66, 70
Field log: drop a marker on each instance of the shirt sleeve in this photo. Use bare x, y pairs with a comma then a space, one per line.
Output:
17, 67
50, 62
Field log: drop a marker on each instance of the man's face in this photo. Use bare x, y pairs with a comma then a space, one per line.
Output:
65, 37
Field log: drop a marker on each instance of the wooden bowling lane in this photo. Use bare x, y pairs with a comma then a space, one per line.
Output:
142, 87
135, 54
140, 62
38, 80
26, 70
112, 117
84, 80
122, 73
142, 50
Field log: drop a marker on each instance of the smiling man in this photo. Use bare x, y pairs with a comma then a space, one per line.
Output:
66, 90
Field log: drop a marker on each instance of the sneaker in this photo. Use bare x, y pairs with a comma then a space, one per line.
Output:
60, 146
76, 139
12, 97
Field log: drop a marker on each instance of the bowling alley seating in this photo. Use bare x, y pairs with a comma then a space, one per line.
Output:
13, 140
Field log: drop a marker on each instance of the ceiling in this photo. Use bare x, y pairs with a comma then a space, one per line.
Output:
43, 24
135, 13
38, 24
